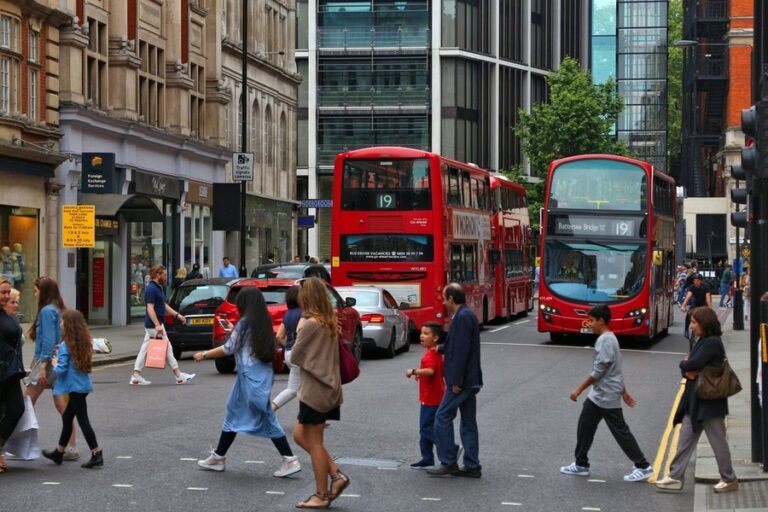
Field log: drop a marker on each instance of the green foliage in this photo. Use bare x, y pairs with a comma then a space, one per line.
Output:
674, 84
578, 119
534, 189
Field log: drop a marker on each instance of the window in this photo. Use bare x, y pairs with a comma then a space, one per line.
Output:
95, 75
151, 97
34, 46
9, 64
33, 96
197, 101
463, 263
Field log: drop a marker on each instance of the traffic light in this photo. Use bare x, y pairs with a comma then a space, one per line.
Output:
740, 196
750, 125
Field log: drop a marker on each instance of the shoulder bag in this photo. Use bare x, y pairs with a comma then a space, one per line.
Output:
717, 383
348, 365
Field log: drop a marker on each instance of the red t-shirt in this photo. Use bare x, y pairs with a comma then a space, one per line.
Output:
431, 389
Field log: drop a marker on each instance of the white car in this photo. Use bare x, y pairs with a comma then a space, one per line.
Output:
385, 327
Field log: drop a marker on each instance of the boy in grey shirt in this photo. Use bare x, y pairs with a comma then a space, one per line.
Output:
604, 403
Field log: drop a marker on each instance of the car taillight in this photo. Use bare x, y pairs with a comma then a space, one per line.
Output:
373, 318
169, 319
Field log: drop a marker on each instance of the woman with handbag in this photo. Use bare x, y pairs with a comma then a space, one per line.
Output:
286, 336
316, 352
11, 371
697, 414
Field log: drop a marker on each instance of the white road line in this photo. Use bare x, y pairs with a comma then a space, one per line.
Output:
124, 457
564, 347
349, 495
512, 503
525, 476
123, 486
388, 469
279, 493
596, 481
188, 458
197, 488
521, 322
590, 508
431, 499
500, 329
254, 462
51, 483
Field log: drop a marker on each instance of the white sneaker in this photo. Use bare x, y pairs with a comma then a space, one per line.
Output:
213, 463
575, 469
138, 380
639, 474
71, 453
183, 378
290, 466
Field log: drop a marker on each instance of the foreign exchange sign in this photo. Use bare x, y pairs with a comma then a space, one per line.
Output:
78, 225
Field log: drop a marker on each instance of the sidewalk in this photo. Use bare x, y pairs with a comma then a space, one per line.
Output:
753, 488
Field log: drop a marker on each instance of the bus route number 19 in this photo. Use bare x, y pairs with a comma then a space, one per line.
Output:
385, 201
623, 228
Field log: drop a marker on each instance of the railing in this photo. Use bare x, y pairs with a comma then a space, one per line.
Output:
373, 96
373, 37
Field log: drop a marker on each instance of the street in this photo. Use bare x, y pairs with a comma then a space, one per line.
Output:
152, 437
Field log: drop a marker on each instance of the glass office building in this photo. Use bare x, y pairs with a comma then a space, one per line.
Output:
448, 76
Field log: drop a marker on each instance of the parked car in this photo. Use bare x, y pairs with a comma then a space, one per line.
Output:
385, 326
291, 271
197, 300
227, 316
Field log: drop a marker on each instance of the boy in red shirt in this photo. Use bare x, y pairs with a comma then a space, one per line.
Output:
431, 390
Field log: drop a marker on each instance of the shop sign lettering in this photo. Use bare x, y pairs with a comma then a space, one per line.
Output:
471, 226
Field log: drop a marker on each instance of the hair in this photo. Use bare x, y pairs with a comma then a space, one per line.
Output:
456, 292
313, 260
4, 280
315, 303
437, 330
225, 258
182, 272
48, 294
258, 323
600, 312
196, 266
707, 320
79, 343
155, 271
292, 297
14, 292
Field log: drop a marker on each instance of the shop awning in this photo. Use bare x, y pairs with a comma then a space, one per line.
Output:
132, 207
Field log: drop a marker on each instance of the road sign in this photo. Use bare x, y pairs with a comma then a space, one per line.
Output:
242, 166
78, 225
316, 203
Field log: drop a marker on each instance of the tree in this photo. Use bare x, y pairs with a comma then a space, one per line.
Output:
579, 118
674, 87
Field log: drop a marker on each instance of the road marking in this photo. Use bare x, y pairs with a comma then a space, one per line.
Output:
521, 322
387, 469
665, 443
254, 462
596, 481
189, 458
525, 476
590, 508
500, 329
349, 495
564, 347
51, 483
197, 488
124, 457
123, 486
279, 493
431, 499
512, 503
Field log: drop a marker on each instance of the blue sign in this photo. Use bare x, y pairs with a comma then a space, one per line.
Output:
305, 221
316, 203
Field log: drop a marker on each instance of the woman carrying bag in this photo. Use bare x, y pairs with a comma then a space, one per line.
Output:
11, 371
696, 414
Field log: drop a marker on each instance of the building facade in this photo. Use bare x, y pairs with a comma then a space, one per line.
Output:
448, 76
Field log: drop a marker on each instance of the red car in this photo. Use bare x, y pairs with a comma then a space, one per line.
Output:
227, 316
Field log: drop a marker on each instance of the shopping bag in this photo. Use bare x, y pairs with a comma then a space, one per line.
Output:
156, 353
23, 443
102, 346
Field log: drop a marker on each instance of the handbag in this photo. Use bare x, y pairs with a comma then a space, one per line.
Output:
716, 383
156, 353
348, 364
34, 374
23, 443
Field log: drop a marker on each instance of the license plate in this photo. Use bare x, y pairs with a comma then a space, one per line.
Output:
201, 321
586, 330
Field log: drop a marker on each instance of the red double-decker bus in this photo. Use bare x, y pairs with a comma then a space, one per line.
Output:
607, 237
412, 221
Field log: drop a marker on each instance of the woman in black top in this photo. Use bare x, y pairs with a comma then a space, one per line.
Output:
11, 371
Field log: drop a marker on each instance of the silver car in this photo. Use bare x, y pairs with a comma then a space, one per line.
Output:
385, 327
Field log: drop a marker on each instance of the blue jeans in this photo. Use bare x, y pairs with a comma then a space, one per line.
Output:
724, 287
466, 403
427, 432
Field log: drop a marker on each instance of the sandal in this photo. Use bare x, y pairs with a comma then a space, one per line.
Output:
343, 482
321, 496
3, 468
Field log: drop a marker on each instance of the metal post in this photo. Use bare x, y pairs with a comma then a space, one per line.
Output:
738, 302
244, 134
764, 409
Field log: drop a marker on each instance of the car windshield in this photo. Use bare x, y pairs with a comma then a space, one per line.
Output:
364, 299
274, 295
205, 296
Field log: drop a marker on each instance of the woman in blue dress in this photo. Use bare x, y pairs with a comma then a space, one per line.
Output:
249, 409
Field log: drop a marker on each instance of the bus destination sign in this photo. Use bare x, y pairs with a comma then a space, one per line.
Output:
584, 225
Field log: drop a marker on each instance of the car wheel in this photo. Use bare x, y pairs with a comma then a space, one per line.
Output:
413, 333
225, 364
357, 345
391, 351
407, 346
176, 353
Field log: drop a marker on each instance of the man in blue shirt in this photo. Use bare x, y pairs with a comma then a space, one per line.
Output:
228, 270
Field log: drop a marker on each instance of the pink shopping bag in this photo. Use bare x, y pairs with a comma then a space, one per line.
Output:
156, 353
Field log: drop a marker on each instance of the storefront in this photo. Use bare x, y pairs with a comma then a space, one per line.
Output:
198, 226
269, 226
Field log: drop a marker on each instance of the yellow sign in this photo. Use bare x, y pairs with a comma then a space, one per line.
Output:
78, 225
335, 262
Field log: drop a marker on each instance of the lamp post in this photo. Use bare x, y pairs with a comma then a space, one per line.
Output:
243, 133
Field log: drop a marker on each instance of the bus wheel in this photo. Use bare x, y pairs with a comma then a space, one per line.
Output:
413, 333
225, 364
556, 337
509, 308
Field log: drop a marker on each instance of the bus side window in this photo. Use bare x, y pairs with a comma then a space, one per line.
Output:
453, 194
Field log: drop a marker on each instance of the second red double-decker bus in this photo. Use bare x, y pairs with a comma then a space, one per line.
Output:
607, 237
412, 221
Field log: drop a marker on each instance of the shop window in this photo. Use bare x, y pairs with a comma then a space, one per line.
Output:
19, 254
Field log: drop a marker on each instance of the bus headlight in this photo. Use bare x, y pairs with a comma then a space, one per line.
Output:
637, 315
547, 311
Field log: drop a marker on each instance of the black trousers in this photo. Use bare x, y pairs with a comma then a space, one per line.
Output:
590, 418
227, 438
77, 408
11, 407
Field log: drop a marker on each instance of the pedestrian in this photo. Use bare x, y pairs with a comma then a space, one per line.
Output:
286, 336
227, 269
604, 402
463, 381
195, 273
154, 316
73, 378
725, 284
429, 374
680, 283
11, 371
316, 352
697, 296
696, 414
45, 333
746, 291
180, 277
248, 410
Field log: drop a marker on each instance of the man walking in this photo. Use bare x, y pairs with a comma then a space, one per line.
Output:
463, 380
227, 270
154, 298
725, 284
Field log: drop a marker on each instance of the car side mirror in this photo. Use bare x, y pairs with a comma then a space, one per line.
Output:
349, 302
404, 305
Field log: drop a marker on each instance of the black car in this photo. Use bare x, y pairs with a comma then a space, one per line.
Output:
291, 271
197, 300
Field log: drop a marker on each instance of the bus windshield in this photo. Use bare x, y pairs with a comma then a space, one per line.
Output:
599, 185
392, 184
594, 272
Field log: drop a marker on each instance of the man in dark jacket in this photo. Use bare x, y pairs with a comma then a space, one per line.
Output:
195, 274
463, 380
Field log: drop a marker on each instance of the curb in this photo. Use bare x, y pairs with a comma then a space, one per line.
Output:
113, 359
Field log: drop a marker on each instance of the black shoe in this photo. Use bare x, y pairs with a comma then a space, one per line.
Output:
97, 461
55, 455
443, 470
422, 464
470, 472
